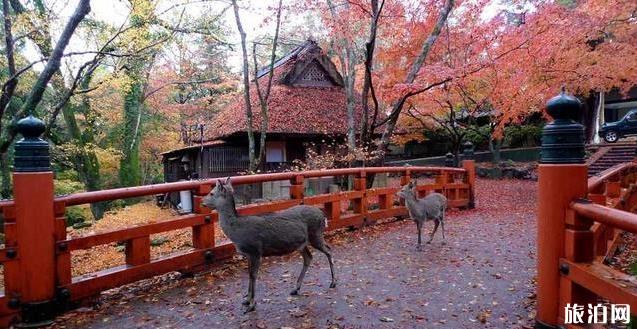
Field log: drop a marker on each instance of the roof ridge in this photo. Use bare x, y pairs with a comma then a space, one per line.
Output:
305, 45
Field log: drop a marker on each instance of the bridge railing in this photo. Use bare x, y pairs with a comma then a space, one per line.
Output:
38, 269
580, 221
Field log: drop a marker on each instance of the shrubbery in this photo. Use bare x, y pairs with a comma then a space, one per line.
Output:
77, 215
522, 136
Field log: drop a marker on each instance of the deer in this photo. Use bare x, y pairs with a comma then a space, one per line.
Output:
431, 207
273, 234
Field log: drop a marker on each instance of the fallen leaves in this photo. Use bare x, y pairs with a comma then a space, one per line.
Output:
484, 275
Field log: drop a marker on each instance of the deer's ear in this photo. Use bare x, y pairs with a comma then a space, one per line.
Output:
220, 184
228, 185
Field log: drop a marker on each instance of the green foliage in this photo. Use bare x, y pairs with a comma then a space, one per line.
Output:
67, 175
567, 3
158, 241
522, 136
75, 215
117, 204
67, 186
478, 135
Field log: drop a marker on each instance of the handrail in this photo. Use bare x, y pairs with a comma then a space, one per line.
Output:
609, 216
596, 182
137, 191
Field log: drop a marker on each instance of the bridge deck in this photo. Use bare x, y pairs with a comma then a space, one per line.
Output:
482, 277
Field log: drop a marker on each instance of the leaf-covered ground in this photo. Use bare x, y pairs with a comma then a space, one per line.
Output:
483, 277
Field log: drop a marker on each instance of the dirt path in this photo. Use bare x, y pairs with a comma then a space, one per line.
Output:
483, 277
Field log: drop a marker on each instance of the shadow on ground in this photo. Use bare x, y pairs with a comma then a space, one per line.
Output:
483, 277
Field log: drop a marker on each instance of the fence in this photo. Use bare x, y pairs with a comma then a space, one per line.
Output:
579, 223
37, 254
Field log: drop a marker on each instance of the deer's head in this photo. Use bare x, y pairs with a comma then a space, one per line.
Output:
407, 191
220, 195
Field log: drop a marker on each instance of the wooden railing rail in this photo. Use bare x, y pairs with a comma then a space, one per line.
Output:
608, 216
138, 191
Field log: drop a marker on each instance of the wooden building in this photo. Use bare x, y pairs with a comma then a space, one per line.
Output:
307, 108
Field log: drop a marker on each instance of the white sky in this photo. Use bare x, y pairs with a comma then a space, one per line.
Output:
115, 12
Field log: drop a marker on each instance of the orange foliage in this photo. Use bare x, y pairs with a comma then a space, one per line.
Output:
515, 68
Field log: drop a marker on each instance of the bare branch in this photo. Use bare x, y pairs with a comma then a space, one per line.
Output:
52, 66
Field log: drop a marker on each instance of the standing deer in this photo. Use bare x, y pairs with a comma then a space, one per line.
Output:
273, 234
431, 207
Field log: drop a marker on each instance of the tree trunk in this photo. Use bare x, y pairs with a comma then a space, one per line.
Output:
494, 148
347, 61
5, 190
265, 96
52, 66
397, 106
85, 161
598, 118
246, 90
129, 168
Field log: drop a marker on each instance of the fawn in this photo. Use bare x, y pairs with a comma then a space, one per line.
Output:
272, 234
431, 207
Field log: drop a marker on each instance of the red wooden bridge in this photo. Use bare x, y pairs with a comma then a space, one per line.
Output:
578, 223
38, 280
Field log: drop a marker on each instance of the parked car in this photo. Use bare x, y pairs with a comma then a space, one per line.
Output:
613, 131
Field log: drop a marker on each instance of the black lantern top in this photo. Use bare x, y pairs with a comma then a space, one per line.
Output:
563, 106
467, 152
563, 139
31, 152
30, 127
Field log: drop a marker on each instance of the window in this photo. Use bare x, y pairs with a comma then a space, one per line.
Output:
314, 73
632, 116
274, 151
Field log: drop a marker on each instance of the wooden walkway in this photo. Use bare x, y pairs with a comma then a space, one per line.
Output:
483, 277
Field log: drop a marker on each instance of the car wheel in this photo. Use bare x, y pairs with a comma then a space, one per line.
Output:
611, 136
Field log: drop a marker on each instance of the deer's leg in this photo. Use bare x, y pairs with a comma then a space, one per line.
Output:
431, 237
307, 259
254, 264
246, 297
324, 249
442, 223
419, 227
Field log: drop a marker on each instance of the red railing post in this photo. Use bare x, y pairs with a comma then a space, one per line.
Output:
360, 184
203, 236
63, 254
470, 178
579, 247
35, 220
562, 178
297, 188
613, 189
441, 181
405, 178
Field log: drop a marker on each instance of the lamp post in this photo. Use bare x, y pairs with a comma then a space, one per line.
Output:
562, 177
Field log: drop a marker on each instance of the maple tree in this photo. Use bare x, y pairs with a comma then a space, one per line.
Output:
528, 59
510, 62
